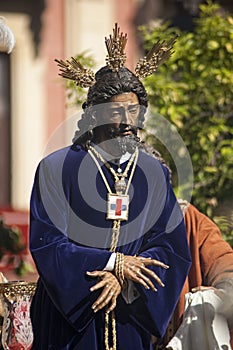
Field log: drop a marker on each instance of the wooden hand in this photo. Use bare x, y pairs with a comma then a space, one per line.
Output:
218, 292
111, 290
135, 269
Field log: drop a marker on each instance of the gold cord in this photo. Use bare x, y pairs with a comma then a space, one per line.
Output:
119, 264
119, 269
115, 234
106, 334
133, 170
91, 152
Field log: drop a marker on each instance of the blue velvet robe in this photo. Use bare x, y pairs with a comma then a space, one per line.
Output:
69, 235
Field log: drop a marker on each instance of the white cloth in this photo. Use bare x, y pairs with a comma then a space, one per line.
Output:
203, 326
109, 158
111, 263
130, 293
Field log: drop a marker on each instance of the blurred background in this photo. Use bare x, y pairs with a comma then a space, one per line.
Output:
33, 96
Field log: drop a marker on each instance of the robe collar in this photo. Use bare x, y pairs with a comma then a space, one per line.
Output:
108, 157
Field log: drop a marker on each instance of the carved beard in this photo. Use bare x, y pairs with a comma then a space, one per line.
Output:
127, 143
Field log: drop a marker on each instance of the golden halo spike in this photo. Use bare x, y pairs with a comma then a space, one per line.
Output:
159, 52
115, 45
73, 70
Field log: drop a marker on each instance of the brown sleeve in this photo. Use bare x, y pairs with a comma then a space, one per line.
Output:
215, 254
212, 257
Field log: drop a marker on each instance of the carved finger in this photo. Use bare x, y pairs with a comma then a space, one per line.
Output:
112, 306
140, 281
102, 301
98, 285
96, 273
154, 262
153, 275
147, 281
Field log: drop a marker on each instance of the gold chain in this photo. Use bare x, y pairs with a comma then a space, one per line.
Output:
116, 176
115, 232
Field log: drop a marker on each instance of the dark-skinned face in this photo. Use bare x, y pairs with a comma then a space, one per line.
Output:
119, 119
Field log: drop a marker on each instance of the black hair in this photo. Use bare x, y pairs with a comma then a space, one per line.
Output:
107, 85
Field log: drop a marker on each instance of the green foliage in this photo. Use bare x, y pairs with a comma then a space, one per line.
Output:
9, 240
226, 226
194, 91
75, 94
12, 249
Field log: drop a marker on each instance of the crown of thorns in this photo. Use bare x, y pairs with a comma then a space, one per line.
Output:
116, 57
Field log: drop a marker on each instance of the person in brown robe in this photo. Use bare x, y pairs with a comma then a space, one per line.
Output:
212, 266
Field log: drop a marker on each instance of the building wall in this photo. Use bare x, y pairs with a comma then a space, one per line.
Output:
41, 121
37, 97
27, 109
